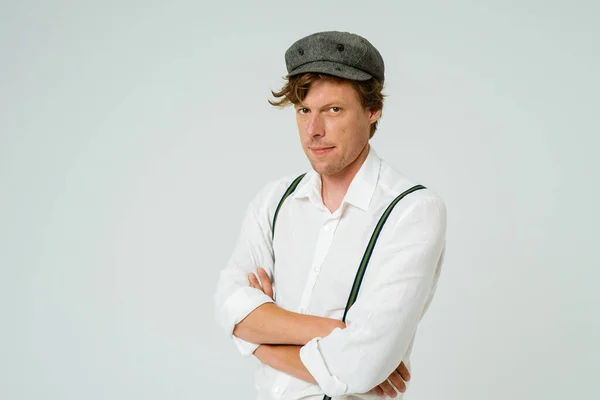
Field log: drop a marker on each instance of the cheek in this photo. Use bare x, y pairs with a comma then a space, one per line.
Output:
349, 129
363, 127
302, 135
330, 127
301, 124
337, 127
362, 121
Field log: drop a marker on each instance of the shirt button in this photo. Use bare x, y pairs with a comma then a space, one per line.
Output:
316, 268
277, 390
327, 228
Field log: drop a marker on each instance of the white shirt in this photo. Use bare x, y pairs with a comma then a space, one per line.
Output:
318, 253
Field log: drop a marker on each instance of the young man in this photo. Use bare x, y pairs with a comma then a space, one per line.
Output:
333, 271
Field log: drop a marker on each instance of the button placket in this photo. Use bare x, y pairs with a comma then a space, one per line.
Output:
322, 249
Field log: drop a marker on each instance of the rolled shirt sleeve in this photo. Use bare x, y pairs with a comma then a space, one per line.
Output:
245, 348
314, 362
234, 298
396, 291
237, 307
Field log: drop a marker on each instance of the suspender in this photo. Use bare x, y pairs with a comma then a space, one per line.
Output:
288, 191
369, 250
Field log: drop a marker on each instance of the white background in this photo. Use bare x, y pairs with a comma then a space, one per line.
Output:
134, 133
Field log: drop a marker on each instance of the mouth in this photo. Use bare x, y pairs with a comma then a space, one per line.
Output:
321, 150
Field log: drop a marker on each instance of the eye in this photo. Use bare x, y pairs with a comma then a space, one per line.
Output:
302, 110
335, 109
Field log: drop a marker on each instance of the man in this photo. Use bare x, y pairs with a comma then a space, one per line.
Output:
333, 270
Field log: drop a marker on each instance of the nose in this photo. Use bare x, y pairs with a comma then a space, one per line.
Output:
315, 125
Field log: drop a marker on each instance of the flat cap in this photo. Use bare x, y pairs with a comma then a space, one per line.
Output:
341, 54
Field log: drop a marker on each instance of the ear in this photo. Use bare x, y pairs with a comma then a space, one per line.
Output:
374, 115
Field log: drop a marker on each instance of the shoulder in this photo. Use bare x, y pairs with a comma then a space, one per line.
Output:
267, 197
424, 205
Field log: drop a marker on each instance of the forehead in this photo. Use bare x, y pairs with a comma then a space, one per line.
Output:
325, 91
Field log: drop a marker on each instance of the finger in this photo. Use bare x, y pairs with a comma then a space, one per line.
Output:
378, 391
388, 389
265, 282
253, 281
397, 381
404, 372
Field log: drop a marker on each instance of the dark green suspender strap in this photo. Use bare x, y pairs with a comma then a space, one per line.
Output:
286, 194
369, 251
362, 268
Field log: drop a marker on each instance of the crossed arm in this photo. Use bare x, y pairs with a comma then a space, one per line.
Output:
282, 333
381, 324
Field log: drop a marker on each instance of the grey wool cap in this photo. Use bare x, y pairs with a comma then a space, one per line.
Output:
341, 54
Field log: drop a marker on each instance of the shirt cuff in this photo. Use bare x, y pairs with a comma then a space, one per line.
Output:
313, 361
245, 348
241, 303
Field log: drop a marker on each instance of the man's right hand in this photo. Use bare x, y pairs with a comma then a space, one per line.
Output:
397, 378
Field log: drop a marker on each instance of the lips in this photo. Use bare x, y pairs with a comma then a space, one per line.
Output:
321, 150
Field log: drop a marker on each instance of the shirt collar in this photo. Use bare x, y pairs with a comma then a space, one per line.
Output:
361, 189
310, 187
363, 185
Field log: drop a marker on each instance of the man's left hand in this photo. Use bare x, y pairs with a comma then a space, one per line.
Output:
396, 380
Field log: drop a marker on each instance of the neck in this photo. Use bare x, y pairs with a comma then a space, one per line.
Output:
334, 187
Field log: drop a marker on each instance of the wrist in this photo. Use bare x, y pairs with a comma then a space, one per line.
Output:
262, 353
328, 325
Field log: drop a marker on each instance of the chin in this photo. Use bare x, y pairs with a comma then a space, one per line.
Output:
324, 166
325, 169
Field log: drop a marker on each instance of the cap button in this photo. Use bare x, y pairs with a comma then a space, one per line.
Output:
301, 51
340, 47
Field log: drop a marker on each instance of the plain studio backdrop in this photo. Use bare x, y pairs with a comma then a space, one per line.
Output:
134, 133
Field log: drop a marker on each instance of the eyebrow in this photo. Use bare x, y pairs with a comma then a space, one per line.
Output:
328, 105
